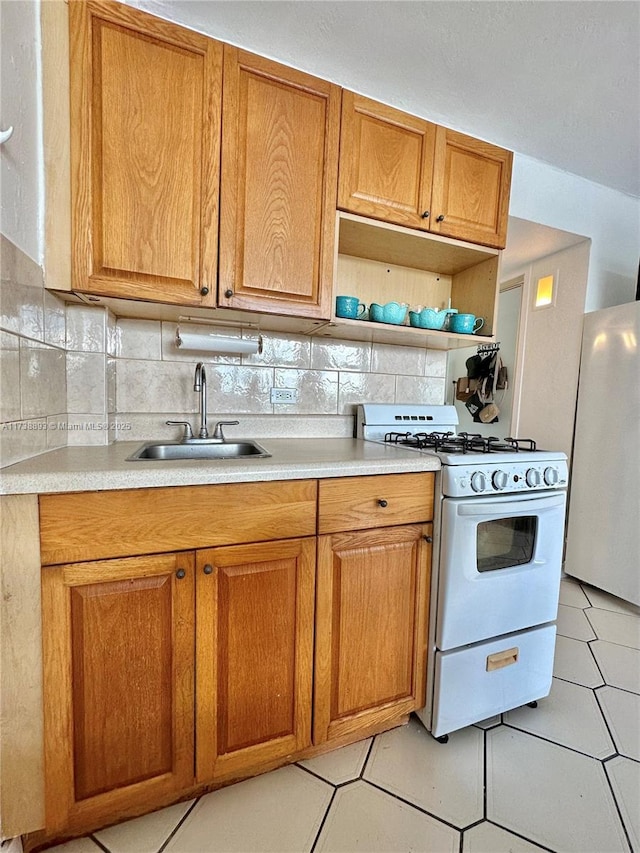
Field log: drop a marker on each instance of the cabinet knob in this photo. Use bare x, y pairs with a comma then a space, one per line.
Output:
180, 574
204, 291
208, 569
440, 218
382, 502
228, 293
425, 215
428, 538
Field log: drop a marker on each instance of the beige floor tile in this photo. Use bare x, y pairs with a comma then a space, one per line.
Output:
278, 811
624, 776
574, 624
571, 594
363, 819
444, 779
340, 765
620, 665
551, 795
574, 662
490, 722
606, 601
144, 834
620, 628
571, 716
622, 711
78, 845
487, 838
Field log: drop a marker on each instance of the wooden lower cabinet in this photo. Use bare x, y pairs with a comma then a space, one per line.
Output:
118, 686
371, 616
254, 617
173, 673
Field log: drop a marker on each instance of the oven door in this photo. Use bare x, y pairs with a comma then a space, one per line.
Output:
500, 565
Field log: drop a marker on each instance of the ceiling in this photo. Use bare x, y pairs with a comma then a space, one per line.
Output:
557, 81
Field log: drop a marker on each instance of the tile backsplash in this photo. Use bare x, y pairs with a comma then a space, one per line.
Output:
154, 379
33, 394
73, 374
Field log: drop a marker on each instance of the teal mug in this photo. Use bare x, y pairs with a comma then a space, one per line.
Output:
349, 307
466, 324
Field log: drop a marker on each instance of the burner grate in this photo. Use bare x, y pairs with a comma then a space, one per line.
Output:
463, 442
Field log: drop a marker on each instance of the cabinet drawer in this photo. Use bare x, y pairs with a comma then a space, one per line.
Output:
94, 525
357, 503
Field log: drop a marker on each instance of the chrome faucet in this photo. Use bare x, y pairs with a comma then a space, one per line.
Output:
200, 385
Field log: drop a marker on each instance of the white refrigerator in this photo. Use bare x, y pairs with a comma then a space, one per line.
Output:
603, 533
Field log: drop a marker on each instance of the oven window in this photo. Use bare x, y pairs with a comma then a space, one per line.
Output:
506, 542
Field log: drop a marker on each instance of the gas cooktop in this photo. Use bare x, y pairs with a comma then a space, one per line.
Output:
472, 464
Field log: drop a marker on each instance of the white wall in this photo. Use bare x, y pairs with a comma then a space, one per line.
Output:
22, 163
550, 361
611, 219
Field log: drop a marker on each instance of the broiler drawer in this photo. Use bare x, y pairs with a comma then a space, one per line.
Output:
479, 681
359, 503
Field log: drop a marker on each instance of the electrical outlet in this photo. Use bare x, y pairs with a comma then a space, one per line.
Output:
284, 395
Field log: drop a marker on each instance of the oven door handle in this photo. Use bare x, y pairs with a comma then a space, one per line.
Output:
521, 506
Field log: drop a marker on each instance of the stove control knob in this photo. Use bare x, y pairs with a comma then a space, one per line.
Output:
500, 480
551, 476
478, 481
533, 478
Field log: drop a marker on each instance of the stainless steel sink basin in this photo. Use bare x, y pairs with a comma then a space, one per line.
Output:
166, 450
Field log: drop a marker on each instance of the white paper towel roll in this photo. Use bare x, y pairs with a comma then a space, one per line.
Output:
202, 342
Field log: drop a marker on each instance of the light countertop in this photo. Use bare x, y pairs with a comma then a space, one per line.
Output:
76, 469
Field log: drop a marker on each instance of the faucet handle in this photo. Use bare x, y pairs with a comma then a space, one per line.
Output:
188, 432
217, 432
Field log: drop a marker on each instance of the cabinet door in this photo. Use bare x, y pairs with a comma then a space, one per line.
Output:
279, 173
371, 627
118, 686
386, 162
145, 153
471, 185
254, 653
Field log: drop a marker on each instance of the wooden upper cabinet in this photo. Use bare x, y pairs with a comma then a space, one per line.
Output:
386, 162
278, 192
403, 169
471, 186
145, 138
118, 641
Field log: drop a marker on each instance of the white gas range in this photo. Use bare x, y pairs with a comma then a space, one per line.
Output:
498, 542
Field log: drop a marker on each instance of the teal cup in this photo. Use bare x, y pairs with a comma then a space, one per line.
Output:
349, 307
465, 324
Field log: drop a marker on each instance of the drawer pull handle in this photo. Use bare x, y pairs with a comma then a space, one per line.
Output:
428, 538
208, 569
180, 574
498, 660
382, 503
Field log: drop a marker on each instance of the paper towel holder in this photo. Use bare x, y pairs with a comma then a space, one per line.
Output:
204, 342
